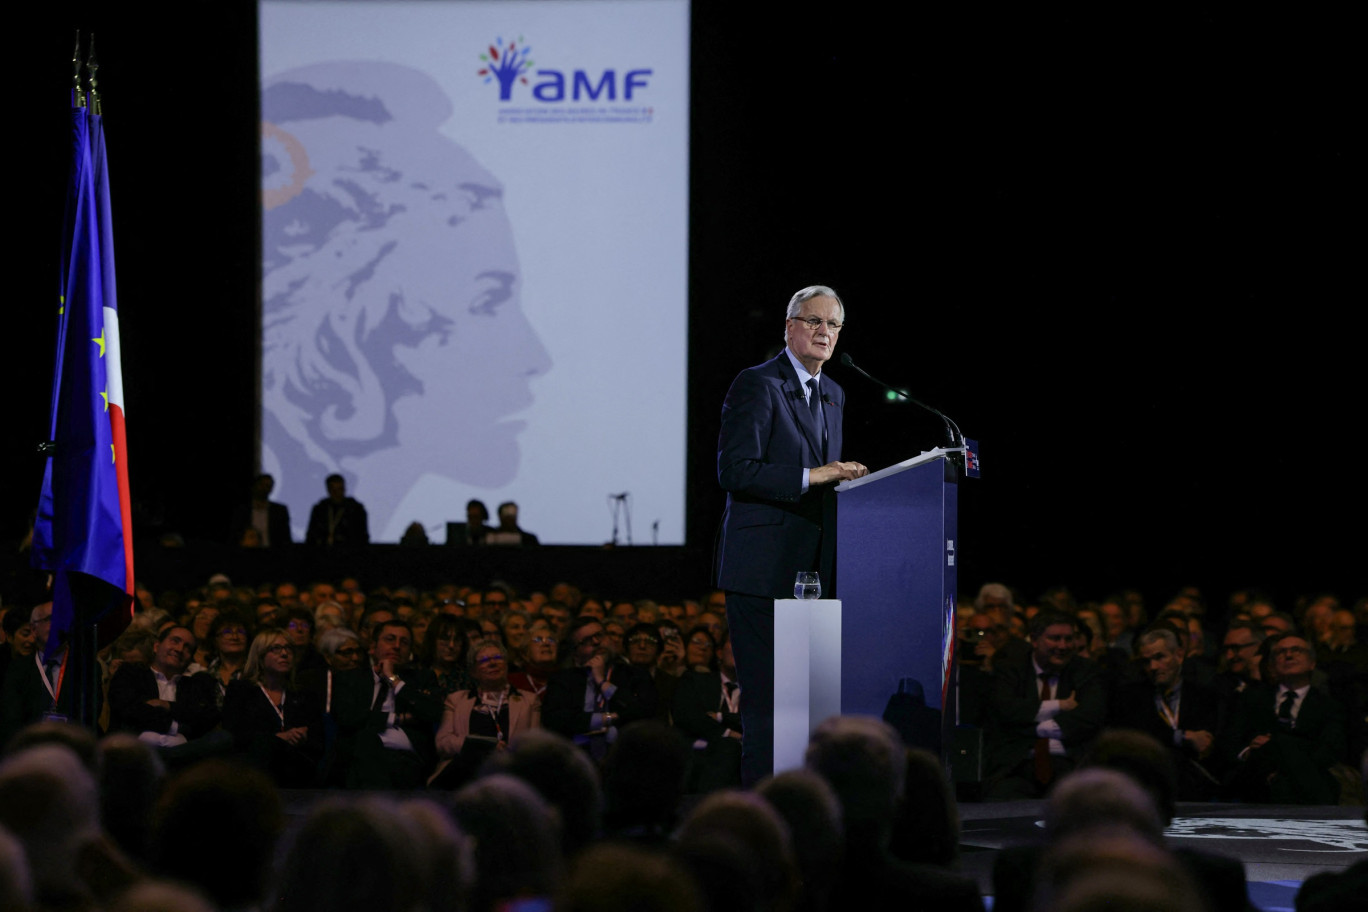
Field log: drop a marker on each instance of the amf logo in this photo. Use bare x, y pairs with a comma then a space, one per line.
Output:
509, 66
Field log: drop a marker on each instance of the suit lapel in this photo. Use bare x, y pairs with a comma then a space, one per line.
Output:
794, 395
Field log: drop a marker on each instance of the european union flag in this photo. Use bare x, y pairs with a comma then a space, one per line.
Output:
83, 524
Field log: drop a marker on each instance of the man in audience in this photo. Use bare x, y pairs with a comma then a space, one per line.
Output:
590, 702
385, 725
707, 708
557, 614
1179, 712
33, 686
1284, 739
1043, 712
162, 705
864, 763
1239, 662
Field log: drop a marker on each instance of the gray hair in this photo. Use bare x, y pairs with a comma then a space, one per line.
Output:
1168, 637
795, 304
994, 590
333, 638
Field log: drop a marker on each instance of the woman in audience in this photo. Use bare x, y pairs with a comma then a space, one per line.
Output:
228, 636
514, 627
671, 661
274, 725
542, 659
443, 656
700, 652
200, 622
481, 720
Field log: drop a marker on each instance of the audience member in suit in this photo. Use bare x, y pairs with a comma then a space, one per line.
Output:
271, 520
337, 520
341, 650
165, 707
865, 764
1284, 738
385, 722
481, 719
1044, 712
33, 687
1174, 710
591, 701
1238, 669
274, 724
707, 708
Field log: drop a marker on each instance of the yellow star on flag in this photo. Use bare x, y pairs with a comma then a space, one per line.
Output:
105, 397
101, 340
113, 454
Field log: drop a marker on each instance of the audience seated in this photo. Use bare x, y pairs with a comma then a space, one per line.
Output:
867, 819
866, 765
516, 841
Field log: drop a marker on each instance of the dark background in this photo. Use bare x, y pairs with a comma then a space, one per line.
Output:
1114, 241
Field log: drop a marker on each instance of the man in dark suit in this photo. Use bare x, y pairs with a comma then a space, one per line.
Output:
385, 722
1175, 710
164, 706
270, 519
778, 457
1043, 713
1284, 739
337, 520
32, 689
707, 708
590, 702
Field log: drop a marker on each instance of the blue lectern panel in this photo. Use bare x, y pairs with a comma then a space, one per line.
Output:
896, 582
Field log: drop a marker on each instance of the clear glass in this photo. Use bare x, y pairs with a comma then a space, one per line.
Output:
807, 585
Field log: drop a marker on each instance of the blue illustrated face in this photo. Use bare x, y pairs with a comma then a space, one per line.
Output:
394, 342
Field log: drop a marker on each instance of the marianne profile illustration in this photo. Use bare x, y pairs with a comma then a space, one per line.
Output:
394, 342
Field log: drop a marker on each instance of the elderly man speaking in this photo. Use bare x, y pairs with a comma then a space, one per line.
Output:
778, 458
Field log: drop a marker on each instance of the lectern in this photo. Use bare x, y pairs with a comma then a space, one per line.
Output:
894, 615
895, 578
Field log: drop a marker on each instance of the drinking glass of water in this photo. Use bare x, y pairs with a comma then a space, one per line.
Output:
807, 585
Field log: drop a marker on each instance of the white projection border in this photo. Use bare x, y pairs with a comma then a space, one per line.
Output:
475, 227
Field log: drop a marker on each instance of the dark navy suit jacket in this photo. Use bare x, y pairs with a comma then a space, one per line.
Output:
771, 529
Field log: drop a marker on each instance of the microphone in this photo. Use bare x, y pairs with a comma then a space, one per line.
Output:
952, 430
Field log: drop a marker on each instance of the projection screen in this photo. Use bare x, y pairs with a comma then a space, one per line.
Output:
474, 264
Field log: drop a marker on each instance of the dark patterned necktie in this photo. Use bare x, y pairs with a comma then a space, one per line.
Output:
1285, 709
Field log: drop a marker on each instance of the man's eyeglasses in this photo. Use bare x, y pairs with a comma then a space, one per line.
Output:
815, 323
485, 660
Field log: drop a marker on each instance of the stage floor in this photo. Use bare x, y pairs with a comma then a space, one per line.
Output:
1280, 846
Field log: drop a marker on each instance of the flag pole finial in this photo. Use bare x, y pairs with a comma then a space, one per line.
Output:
77, 96
92, 65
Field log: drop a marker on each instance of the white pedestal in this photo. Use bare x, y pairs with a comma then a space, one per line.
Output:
807, 673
